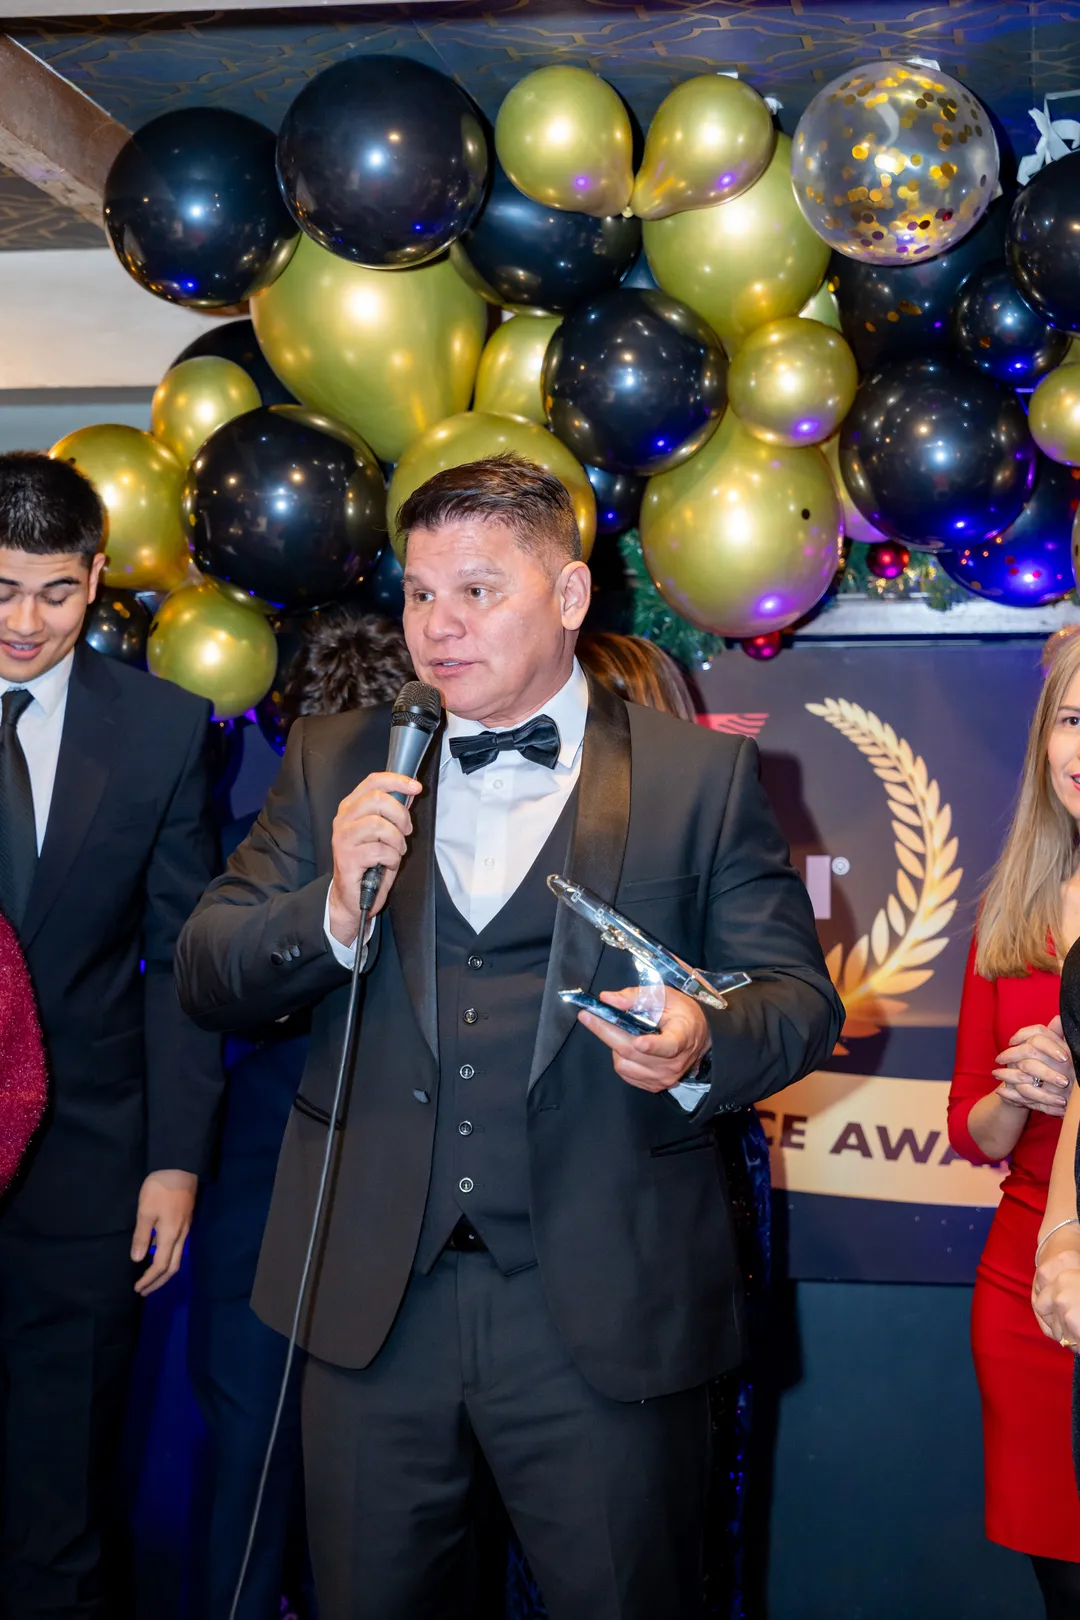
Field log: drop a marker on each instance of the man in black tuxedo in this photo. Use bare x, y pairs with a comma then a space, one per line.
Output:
529, 1247
106, 843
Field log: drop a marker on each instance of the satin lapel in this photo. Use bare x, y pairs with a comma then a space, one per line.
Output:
597, 847
412, 902
87, 747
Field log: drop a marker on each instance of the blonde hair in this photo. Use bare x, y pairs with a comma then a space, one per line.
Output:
1021, 910
638, 671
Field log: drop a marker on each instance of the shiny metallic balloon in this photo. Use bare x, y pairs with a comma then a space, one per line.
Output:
711, 138
743, 262
117, 626
382, 160
564, 137
475, 435
1030, 564
139, 484
197, 397
793, 382
1044, 242
618, 499
999, 332
287, 505
1054, 415
823, 307
211, 645
525, 255
236, 341
193, 210
743, 538
508, 379
856, 527
936, 454
894, 162
634, 382
388, 355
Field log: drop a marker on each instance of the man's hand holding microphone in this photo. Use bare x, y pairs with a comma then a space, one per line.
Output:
371, 828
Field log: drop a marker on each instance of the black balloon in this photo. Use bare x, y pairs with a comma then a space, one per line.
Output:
634, 382
1044, 242
270, 713
193, 210
998, 331
1031, 562
639, 274
236, 341
117, 626
382, 590
936, 454
618, 499
382, 160
545, 258
893, 311
287, 505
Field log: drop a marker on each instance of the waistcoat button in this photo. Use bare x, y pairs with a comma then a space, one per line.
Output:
466, 1071
476, 961
465, 1184
465, 1128
469, 1016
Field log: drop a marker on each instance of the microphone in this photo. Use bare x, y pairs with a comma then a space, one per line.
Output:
413, 723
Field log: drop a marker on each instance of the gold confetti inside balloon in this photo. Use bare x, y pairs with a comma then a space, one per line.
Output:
386, 352
823, 307
508, 381
1054, 415
564, 138
743, 262
197, 397
792, 382
744, 538
712, 137
893, 163
208, 643
856, 527
474, 435
139, 484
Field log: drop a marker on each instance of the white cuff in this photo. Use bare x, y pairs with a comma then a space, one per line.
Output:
688, 1093
345, 954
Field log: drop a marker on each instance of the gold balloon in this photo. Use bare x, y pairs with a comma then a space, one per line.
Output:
712, 137
208, 644
508, 381
792, 382
387, 352
564, 138
856, 527
743, 538
471, 437
197, 397
1054, 415
237, 594
743, 262
139, 484
823, 307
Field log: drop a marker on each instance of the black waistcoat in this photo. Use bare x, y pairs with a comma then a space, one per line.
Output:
490, 986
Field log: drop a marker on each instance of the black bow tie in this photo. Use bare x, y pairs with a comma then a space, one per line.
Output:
537, 740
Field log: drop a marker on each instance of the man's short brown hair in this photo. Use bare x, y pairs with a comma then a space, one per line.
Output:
507, 489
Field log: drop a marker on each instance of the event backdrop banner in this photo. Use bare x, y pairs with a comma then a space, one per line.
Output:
893, 769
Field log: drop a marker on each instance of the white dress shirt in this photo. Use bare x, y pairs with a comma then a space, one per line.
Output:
39, 729
491, 825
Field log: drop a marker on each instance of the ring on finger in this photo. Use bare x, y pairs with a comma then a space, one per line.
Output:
1067, 1343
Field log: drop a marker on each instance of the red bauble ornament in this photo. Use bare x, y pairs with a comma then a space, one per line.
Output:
887, 559
762, 647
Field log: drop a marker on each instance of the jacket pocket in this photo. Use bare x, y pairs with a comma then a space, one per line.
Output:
684, 1144
310, 1111
661, 888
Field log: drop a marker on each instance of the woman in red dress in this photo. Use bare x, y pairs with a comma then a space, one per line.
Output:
1012, 1081
22, 1061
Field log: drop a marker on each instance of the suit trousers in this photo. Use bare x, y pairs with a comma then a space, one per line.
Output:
607, 1497
68, 1324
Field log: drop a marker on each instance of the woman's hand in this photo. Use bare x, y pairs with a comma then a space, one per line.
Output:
1036, 1069
1055, 1292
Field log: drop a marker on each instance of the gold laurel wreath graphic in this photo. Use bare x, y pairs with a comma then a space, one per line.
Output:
922, 905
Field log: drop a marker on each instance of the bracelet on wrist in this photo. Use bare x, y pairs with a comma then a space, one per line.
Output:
1072, 1220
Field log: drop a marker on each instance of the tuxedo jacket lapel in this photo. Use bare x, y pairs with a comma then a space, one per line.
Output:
597, 847
412, 902
87, 747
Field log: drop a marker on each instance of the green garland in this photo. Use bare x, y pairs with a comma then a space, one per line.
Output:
922, 579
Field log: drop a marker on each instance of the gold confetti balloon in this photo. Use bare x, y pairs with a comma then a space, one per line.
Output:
744, 538
197, 397
893, 163
210, 644
1054, 415
508, 381
793, 382
139, 483
711, 138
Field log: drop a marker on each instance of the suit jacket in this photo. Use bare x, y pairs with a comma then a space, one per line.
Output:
129, 847
627, 1198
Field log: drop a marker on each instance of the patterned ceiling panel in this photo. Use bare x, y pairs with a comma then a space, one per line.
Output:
1011, 54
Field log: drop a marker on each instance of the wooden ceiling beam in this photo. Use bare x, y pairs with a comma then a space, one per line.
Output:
53, 135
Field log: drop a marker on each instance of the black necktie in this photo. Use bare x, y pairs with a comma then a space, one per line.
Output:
18, 837
537, 740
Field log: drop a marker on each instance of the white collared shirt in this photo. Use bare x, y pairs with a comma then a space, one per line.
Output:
39, 730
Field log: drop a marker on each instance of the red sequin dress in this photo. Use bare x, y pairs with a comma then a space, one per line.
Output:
22, 1059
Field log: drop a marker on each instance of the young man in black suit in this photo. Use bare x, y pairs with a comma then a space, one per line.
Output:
106, 843
529, 1247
